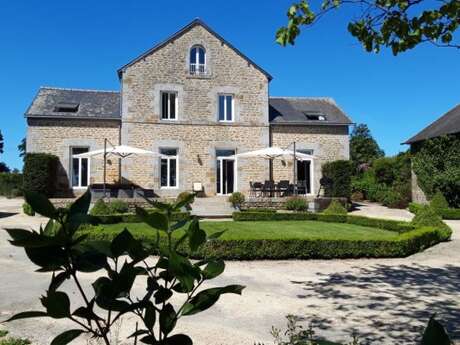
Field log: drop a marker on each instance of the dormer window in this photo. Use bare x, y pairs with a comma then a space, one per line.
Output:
197, 60
315, 116
66, 107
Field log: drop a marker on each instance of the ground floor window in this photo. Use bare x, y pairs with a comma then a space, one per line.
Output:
79, 168
225, 171
305, 174
168, 168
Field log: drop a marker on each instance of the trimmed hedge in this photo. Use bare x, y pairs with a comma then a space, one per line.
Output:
129, 218
446, 213
406, 244
40, 173
339, 173
386, 224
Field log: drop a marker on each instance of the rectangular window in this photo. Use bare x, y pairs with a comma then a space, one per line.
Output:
168, 105
80, 172
226, 108
168, 168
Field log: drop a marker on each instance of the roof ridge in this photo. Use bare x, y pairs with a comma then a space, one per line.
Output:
305, 97
77, 89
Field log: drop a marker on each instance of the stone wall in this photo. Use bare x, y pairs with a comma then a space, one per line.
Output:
57, 136
196, 154
328, 143
196, 132
418, 195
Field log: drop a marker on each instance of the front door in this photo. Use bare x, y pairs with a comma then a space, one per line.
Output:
225, 174
304, 176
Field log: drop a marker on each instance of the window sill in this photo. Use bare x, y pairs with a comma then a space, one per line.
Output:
168, 188
198, 76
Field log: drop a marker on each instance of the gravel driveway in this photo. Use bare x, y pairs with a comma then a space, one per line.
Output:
387, 301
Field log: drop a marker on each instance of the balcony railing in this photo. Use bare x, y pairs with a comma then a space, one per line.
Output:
197, 69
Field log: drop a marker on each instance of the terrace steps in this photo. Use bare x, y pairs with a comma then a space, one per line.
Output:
212, 207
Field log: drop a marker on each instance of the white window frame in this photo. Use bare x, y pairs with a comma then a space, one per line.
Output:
168, 168
79, 168
312, 172
176, 105
197, 60
225, 95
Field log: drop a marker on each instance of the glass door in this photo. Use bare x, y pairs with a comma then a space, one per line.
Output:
304, 177
225, 172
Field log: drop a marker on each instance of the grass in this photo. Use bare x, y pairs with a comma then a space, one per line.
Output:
265, 230
4, 340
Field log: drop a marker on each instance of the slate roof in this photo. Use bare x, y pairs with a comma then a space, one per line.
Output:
301, 110
449, 123
182, 31
87, 104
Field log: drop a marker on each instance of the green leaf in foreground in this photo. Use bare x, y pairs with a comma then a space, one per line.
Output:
27, 315
67, 336
207, 298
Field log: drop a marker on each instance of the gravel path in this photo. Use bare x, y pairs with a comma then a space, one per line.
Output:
387, 301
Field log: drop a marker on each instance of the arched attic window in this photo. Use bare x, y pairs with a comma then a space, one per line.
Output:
197, 60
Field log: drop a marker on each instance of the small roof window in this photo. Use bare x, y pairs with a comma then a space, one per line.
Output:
315, 116
66, 107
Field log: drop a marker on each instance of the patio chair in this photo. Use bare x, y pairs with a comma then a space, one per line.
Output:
268, 188
301, 187
283, 187
257, 188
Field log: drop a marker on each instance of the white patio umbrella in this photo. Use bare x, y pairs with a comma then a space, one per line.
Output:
275, 152
121, 151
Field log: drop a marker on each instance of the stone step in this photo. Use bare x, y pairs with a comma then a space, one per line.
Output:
212, 207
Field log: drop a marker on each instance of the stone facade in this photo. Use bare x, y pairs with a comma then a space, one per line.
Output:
328, 143
196, 132
418, 195
58, 136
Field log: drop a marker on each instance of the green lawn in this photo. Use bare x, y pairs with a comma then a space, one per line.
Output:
268, 230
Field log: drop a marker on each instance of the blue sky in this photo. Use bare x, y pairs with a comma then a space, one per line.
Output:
80, 44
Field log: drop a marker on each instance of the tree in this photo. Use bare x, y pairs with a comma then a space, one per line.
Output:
363, 147
1, 142
397, 24
22, 148
4, 168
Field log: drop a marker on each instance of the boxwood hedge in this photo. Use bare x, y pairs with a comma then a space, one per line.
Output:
386, 224
445, 213
129, 218
404, 245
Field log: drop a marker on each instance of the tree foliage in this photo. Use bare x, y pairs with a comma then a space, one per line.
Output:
396, 24
1, 142
436, 162
59, 250
363, 147
22, 148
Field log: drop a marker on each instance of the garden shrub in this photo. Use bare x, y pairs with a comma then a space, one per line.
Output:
100, 208
436, 162
27, 209
184, 196
131, 217
40, 173
335, 207
339, 172
11, 184
236, 199
117, 206
439, 202
427, 216
393, 199
296, 203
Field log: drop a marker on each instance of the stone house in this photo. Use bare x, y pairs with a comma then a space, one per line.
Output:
447, 124
197, 101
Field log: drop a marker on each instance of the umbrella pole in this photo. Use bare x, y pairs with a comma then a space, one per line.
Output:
105, 162
294, 172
